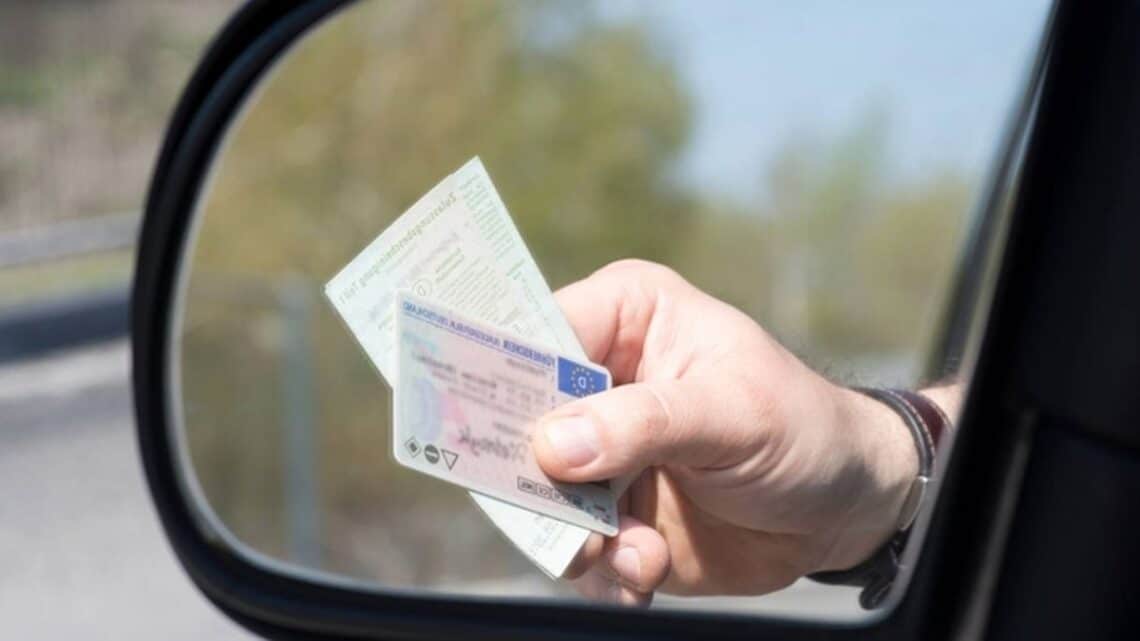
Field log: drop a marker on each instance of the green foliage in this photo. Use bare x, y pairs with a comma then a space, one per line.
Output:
869, 261
377, 106
21, 87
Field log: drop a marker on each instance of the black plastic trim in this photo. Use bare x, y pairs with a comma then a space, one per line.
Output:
1080, 496
1081, 354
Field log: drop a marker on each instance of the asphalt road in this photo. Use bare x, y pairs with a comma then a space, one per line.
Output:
82, 554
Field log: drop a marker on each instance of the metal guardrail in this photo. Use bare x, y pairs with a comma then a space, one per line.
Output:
33, 329
76, 320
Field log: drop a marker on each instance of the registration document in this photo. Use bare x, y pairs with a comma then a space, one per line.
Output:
457, 246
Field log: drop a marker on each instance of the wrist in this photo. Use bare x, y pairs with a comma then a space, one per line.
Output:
885, 452
947, 397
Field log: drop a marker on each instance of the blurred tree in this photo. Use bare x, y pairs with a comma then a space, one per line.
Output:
85, 89
377, 106
861, 264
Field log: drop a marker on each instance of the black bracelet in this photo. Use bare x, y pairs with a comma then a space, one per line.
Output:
927, 423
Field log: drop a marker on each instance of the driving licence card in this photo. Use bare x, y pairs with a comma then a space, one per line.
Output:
459, 246
467, 396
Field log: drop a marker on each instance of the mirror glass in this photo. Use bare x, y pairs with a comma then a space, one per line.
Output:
816, 165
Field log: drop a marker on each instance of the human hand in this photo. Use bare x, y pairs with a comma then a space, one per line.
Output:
754, 470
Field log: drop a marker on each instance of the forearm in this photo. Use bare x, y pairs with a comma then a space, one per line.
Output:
948, 396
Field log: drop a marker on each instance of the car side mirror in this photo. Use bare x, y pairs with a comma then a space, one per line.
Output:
307, 124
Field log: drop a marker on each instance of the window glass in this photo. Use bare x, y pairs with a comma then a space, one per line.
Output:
814, 164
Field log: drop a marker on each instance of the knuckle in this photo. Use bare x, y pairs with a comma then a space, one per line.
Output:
637, 430
642, 269
653, 422
630, 425
625, 265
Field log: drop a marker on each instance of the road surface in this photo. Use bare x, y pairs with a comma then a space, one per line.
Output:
82, 554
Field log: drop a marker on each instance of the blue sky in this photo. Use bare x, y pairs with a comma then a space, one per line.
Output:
765, 72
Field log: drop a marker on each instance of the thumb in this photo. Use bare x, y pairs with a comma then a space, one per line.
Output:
627, 429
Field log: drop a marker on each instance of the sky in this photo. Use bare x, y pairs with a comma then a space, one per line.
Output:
764, 73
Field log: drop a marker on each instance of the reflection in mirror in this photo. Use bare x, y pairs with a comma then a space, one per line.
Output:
812, 166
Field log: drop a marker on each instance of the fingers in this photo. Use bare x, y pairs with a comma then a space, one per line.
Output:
612, 309
631, 566
591, 550
627, 429
598, 586
637, 557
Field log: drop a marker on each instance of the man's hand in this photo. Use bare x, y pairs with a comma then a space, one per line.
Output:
754, 470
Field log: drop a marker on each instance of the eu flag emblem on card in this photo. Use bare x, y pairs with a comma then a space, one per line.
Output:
579, 380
